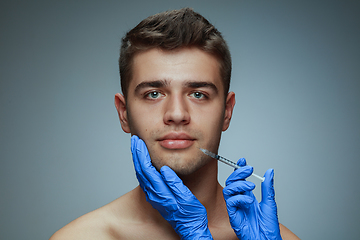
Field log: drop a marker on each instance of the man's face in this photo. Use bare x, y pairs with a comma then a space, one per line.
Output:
176, 104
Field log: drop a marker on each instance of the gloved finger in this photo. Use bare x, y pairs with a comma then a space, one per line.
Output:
238, 187
239, 201
244, 232
267, 188
176, 185
150, 180
239, 174
136, 160
238, 222
150, 177
142, 159
241, 162
268, 205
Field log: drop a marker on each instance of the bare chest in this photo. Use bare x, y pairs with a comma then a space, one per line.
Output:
151, 231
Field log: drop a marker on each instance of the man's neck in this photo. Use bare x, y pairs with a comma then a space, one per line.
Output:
204, 184
206, 188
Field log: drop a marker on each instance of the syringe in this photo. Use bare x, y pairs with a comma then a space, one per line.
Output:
227, 161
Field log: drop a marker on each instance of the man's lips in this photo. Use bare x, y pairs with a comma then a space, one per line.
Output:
176, 140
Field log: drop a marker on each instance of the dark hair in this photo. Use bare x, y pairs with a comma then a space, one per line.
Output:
171, 30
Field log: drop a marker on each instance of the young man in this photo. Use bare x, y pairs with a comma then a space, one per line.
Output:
175, 72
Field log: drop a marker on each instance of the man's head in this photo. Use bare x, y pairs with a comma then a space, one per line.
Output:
175, 72
169, 31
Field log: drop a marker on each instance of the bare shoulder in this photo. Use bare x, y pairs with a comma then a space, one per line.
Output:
124, 218
93, 225
103, 223
286, 234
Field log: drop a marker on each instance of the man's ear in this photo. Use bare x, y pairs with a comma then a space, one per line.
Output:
229, 107
120, 105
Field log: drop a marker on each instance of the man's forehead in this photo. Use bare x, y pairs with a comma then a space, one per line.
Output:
186, 65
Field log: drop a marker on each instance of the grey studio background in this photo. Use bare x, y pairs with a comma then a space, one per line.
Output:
296, 76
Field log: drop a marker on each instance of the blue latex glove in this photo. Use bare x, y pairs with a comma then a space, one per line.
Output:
166, 193
249, 218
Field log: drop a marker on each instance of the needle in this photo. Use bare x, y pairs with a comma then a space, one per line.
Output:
227, 161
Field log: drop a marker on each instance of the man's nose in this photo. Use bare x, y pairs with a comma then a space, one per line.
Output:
176, 111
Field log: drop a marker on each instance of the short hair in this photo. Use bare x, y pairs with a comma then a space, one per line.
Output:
172, 30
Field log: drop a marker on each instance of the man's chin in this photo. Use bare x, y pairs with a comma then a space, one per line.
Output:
182, 167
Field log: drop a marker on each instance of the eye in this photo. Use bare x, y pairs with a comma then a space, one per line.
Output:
198, 95
153, 95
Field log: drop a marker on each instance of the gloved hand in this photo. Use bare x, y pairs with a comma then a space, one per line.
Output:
249, 218
166, 193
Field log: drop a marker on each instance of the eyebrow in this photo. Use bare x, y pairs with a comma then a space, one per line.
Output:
164, 83
154, 84
196, 84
